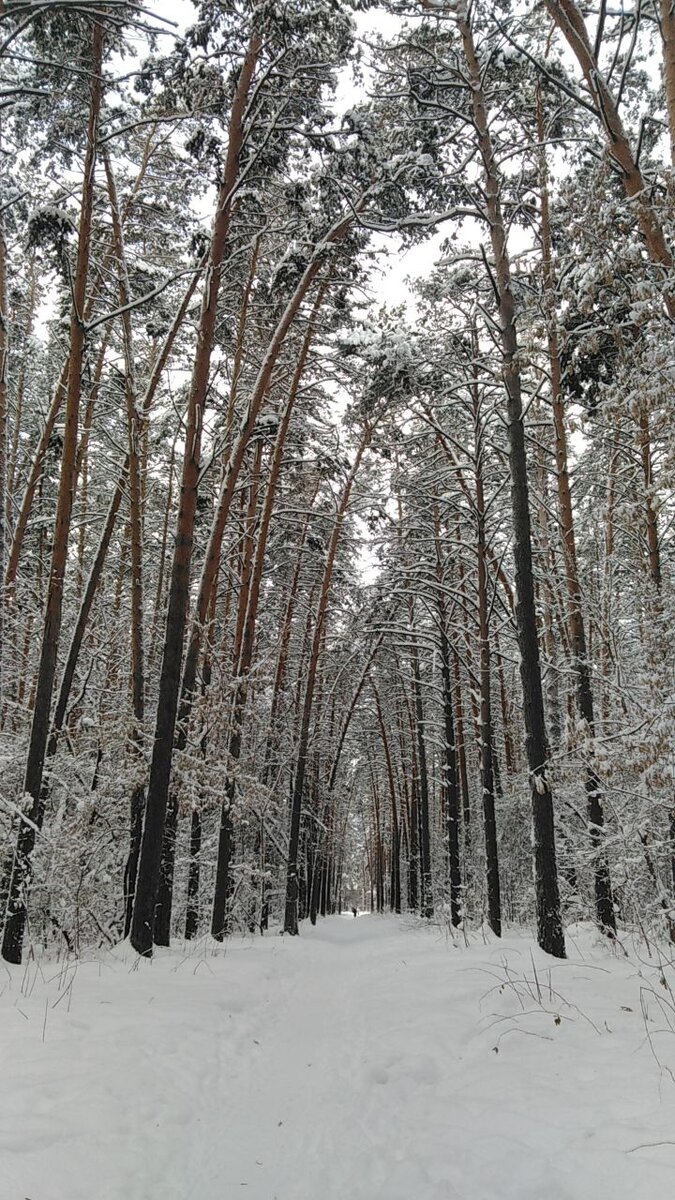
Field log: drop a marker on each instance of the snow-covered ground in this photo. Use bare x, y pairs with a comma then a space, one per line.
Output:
365, 1060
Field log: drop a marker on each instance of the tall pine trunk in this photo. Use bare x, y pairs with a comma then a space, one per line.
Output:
604, 904
549, 923
15, 924
426, 894
4, 347
488, 781
169, 682
134, 485
395, 831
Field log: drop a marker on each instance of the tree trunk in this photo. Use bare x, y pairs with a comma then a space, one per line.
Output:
549, 924
134, 484
426, 895
395, 832
413, 841
240, 667
237, 456
653, 547
461, 757
192, 910
4, 346
486, 730
169, 683
604, 903
159, 592
567, 16
13, 452
269, 769
35, 473
16, 919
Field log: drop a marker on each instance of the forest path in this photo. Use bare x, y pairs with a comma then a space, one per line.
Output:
365, 1060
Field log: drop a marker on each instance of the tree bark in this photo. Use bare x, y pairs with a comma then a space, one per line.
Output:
667, 24
169, 684
604, 903
35, 473
4, 347
426, 894
192, 910
13, 452
651, 521
134, 484
486, 730
549, 923
568, 18
395, 832
240, 666
16, 919
237, 455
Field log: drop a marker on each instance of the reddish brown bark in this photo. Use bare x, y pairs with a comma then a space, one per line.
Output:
248, 615
568, 17
160, 768
237, 455
37, 464
667, 21
16, 919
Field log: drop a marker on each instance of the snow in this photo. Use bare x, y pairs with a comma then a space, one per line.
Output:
369, 1059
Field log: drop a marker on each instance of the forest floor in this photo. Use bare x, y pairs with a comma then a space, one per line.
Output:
368, 1059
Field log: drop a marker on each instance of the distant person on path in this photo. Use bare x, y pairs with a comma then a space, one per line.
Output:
354, 911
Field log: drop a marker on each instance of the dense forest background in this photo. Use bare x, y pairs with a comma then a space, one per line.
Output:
312, 599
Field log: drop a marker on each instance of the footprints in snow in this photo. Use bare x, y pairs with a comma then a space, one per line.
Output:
420, 1069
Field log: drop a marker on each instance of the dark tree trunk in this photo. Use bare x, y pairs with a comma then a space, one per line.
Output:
395, 832
315, 881
137, 807
169, 684
604, 903
133, 473
241, 665
264, 894
450, 782
463, 773
427, 903
486, 731
33, 783
192, 910
378, 864
413, 844
326, 876
4, 492
161, 933
222, 894
549, 923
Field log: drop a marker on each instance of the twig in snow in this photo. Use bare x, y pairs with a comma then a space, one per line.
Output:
649, 1146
